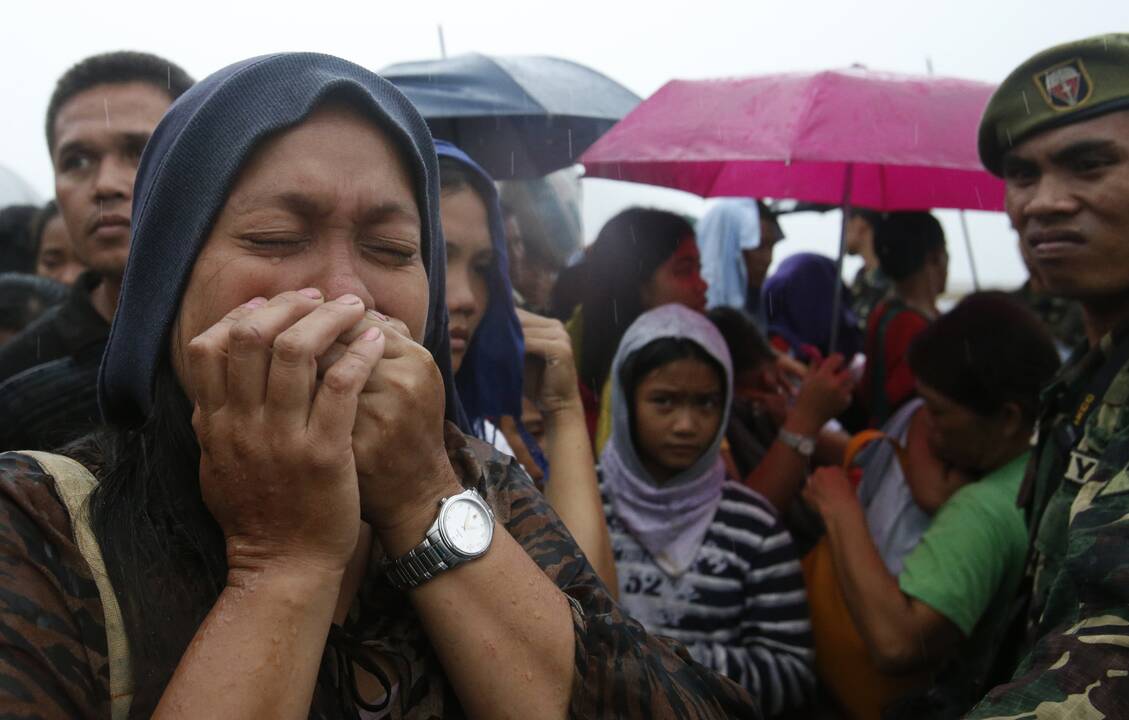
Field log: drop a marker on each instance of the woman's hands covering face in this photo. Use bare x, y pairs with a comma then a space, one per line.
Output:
277, 467
311, 415
402, 462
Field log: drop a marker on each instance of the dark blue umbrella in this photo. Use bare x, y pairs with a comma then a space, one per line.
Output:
518, 117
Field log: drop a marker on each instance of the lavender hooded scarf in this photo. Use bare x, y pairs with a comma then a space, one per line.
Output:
669, 521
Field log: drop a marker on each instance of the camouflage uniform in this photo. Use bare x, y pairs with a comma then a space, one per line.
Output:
1062, 317
1077, 488
1077, 497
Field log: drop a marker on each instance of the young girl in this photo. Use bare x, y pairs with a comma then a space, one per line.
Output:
700, 557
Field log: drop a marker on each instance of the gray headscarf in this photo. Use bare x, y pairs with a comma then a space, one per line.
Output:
669, 521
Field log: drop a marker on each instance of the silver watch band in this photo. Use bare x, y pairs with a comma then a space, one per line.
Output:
433, 555
422, 562
802, 444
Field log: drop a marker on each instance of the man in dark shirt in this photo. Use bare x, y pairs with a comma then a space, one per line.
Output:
100, 116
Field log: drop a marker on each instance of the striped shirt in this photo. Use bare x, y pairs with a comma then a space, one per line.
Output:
740, 609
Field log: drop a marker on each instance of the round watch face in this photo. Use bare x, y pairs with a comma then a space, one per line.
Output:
466, 526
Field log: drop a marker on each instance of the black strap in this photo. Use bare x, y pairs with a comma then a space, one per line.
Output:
1083, 396
346, 651
879, 403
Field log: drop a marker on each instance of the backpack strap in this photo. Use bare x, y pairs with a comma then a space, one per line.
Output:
861, 440
75, 483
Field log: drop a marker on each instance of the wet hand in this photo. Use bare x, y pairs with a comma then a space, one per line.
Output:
829, 492
825, 393
398, 439
554, 388
789, 373
277, 469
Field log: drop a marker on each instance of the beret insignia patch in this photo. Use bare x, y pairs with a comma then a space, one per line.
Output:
1066, 85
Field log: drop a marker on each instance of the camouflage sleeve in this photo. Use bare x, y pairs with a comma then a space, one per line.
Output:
1080, 668
620, 670
52, 642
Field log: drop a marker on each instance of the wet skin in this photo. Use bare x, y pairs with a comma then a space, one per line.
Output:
1068, 198
470, 255
99, 136
677, 414
678, 280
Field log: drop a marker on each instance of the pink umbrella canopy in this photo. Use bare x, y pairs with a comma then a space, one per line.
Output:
875, 140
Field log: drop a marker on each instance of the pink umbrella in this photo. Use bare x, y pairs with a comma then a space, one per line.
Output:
876, 140
847, 137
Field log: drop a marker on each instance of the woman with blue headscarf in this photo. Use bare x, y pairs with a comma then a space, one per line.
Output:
490, 344
282, 517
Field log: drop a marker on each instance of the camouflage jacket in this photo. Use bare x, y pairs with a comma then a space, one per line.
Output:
1062, 317
1078, 499
53, 660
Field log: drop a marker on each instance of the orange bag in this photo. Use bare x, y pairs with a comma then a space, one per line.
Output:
842, 660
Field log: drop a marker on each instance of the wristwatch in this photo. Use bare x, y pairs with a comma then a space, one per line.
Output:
462, 532
803, 444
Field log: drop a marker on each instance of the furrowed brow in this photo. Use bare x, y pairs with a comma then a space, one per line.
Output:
391, 210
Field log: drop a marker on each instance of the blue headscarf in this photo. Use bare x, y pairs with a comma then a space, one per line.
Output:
187, 170
797, 302
729, 227
489, 379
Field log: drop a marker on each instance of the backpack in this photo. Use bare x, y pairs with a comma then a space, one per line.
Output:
75, 483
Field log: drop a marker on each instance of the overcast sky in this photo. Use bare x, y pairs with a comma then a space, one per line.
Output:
640, 44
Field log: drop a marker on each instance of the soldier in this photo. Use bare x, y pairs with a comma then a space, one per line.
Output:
1057, 131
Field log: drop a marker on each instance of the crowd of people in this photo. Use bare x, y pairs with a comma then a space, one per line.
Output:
305, 415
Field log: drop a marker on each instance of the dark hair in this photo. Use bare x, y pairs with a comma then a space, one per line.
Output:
985, 352
624, 257
39, 223
17, 250
747, 345
770, 218
567, 292
453, 175
114, 68
872, 217
903, 241
24, 297
165, 553
652, 356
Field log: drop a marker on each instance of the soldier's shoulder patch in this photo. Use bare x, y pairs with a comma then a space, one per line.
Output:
1066, 85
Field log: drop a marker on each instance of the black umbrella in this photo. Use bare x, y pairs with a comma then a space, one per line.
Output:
518, 117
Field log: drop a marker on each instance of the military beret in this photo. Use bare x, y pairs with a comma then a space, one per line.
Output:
1060, 86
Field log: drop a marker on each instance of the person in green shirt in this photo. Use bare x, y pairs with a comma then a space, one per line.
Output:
980, 369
